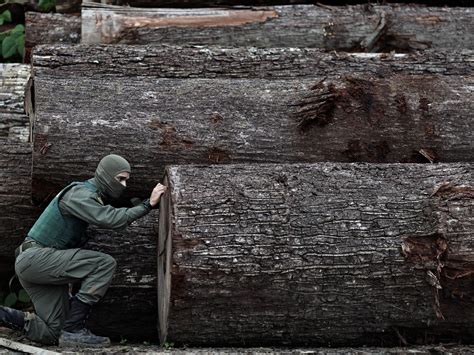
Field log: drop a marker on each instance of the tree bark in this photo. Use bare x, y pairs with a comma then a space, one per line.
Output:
14, 123
316, 254
216, 62
194, 3
48, 28
129, 309
352, 28
154, 122
18, 213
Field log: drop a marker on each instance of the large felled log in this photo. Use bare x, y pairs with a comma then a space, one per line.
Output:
316, 254
218, 62
18, 213
129, 309
352, 28
47, 28
154, 122
193, 3
14, 123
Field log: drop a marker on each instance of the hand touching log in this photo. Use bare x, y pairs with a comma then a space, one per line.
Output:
156, 194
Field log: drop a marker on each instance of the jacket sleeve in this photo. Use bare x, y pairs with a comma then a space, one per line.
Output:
89, 208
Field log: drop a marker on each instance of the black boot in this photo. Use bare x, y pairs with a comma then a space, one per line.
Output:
12, 318
74, 332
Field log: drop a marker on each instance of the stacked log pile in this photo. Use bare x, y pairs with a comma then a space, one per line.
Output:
312, 253
180, 105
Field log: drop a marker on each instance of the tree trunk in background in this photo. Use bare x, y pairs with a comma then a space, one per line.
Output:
216, 62
316, 254
154, 122
18, 213
129, 309
351, 28
48, 28
14, 123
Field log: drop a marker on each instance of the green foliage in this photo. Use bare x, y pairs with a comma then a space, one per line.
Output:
5, 16
13, 299
47, 5
13, 42
23, 296
10, 300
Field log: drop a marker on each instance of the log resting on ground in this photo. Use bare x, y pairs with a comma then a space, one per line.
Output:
17, 212
44, 28
316, 254
154, 122
200, 3
14, 123
218, 62
352, 28
129, 309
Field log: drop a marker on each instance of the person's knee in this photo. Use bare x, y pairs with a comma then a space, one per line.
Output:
108, 262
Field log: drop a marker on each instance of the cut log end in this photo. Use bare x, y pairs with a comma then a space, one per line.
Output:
164, 263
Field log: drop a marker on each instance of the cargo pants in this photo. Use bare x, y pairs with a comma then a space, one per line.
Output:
45, 274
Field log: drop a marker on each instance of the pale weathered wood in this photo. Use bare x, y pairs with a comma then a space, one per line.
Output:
154, 122
218, 62
351, 28
317, 254
194, 3
14, 124
24, 348
50, 28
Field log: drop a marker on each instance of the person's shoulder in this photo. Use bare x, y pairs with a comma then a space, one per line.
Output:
82, 190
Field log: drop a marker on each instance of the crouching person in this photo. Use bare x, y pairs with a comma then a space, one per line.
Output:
51, 257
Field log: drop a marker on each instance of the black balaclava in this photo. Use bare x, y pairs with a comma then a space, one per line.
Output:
108, 168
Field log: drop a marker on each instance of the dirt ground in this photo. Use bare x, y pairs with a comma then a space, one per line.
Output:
144, 348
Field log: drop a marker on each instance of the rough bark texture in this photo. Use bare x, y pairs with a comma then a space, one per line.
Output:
217, 62
18, 213
353, 28
192, 3
14, 123
318, 254
129, 309
154, 122
44, 28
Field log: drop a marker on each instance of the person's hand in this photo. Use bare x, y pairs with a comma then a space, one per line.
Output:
156, 194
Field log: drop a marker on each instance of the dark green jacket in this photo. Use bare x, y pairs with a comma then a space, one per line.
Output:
64, 222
